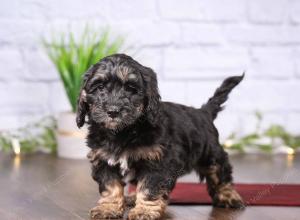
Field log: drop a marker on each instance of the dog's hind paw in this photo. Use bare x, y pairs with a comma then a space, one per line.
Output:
227, 197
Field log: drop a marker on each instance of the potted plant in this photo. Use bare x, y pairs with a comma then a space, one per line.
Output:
72, 58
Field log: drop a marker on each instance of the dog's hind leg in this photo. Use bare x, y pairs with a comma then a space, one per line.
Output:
218, 177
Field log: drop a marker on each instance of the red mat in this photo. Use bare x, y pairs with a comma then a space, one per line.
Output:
253, 194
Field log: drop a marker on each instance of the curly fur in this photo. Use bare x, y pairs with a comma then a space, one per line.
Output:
126, 117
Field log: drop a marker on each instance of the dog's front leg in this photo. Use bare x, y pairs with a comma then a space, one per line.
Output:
111, 188
151, 197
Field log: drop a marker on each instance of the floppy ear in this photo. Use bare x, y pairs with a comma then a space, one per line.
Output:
82, 106
152, 94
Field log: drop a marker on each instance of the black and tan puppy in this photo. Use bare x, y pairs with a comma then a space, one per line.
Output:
134, 135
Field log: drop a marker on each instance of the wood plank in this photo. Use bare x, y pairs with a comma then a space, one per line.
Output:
45, 187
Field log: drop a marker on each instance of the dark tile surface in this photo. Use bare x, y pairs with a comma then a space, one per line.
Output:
45, 187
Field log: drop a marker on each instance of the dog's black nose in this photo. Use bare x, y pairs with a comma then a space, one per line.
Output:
113, 111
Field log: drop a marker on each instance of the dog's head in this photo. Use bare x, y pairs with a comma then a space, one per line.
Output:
116, 92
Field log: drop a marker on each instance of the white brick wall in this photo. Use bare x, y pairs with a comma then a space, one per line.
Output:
268, 11
192, 45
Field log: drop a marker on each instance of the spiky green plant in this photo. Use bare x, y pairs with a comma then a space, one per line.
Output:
73, 57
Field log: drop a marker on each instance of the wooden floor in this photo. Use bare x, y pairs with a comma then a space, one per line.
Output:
45, 187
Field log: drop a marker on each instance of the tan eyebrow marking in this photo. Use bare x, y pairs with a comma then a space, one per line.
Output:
100, 75
122, 73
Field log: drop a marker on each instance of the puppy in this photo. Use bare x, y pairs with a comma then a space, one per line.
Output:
135, 136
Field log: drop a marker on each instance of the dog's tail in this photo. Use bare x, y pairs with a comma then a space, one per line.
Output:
214, 104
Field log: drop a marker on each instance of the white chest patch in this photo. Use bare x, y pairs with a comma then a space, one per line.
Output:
122, 161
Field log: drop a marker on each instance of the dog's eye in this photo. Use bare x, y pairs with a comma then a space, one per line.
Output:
90, 98
98, 86
131, 88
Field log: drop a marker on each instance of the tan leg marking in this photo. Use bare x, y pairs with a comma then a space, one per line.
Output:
111, 202
212, 176
223, 194
147, 209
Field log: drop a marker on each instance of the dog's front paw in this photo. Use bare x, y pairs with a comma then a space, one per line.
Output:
227, 197
145, 213
107, 211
